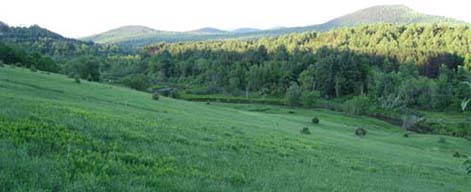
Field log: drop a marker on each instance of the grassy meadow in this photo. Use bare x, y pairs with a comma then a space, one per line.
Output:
59, 135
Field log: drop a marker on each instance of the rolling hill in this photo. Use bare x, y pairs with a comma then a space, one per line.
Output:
207, 30
394, 14
246, 30
59, 135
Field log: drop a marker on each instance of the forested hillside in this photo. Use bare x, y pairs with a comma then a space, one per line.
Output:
375, 69
42, 41
390, 14
372, 68
337, 63
40, 49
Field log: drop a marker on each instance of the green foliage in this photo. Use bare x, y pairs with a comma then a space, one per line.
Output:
309, 98
33, 69
55, 135
442, 140
139, 82
358, 105
293, 95
155, 96
360, 132
76, 79
85, 67
305, 130
468, 165
465, 102
140, 36
315, 120
381, 61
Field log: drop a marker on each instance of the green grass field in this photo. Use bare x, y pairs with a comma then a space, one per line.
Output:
58, 135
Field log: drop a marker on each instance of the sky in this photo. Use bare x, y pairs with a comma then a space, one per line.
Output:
79, 18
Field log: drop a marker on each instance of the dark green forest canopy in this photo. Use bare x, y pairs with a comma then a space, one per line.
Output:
426, 46
377, 60
42, 41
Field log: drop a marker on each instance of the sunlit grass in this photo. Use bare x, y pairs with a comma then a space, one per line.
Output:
58, 134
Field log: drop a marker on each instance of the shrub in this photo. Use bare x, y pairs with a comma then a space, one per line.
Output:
208, 103
309, 98
360, 132
459, 155
33, 69
442, 140
305, 130
77, 80
155, 96
358, 105
406, 135
138, 82
468, 165
169, 92
293, 94
315, 120
174, 93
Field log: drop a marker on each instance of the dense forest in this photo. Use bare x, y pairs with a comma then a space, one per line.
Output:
38, 48
386, 68
413, 66
369, 69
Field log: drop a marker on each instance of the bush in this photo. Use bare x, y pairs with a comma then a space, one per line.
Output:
309, 98
169, 92
459, 155
406, 135
174, 93
360, 132
442, 140
293, 94
468, 165
305, 130
77, 80
138, 82
315, 120
33, 69
358, 105
155, 96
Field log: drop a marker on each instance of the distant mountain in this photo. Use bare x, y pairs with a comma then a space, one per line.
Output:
3, 27
245, 30
207, 30
30, 33
2, 24
122, 34
393, 14
35, 39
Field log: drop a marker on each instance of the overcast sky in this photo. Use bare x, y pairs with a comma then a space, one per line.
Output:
77, 18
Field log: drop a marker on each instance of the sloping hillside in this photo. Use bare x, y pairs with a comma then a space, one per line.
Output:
394, 14
59, 135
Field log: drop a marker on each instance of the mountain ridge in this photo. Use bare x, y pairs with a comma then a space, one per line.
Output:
393, 14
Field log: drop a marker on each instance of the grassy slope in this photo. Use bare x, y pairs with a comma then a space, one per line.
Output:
57, 134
